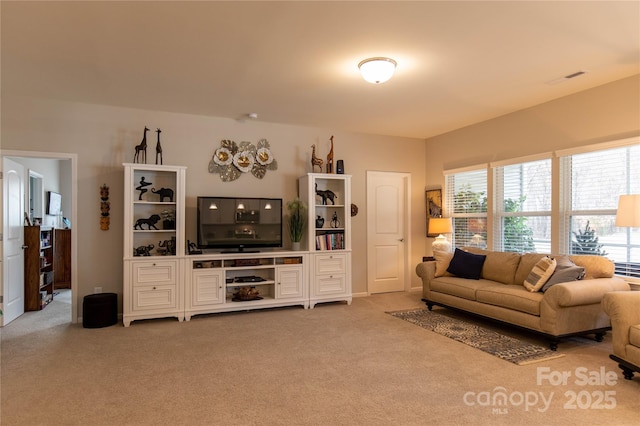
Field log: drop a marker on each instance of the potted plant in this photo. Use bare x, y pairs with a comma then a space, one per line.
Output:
168, 219
297, 221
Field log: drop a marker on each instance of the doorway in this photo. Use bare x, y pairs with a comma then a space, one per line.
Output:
388, 231
68, 180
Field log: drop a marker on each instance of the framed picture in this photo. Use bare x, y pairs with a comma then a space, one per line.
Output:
434, 206
54, 203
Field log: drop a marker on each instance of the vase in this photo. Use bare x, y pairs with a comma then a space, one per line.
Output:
295, 246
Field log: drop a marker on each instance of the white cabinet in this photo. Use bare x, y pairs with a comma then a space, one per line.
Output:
233, 282
328, 197
154, 242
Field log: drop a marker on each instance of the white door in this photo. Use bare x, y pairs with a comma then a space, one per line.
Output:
387, 231
13, 230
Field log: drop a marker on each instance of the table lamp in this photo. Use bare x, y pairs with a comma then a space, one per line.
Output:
628, 214
440, 225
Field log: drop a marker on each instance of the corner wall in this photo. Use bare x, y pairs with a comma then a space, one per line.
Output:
601, 114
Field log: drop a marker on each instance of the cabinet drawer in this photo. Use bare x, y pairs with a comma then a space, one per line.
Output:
330, 264
160, 272
330, 284
154, 297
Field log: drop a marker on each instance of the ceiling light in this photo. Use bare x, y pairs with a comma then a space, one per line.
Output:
377, 70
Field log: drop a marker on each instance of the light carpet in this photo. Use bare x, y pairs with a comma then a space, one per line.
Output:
489, 341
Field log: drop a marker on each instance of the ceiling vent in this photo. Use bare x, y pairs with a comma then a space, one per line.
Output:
566, 77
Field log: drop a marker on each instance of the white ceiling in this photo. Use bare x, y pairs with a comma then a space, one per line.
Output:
459, 63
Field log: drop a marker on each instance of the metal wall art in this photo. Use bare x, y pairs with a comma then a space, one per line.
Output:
231, 159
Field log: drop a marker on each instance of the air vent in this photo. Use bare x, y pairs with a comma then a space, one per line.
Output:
566, 77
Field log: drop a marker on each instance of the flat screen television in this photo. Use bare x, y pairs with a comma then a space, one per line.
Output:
241, 224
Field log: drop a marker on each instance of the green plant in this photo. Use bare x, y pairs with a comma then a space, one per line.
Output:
297, 219
586, 242
517, 235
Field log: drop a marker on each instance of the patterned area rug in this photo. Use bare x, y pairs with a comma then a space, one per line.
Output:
489, 341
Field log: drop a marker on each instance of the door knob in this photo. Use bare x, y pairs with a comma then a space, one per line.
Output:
25, 247
401, 240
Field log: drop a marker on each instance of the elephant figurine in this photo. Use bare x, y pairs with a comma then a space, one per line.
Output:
169, 246
143, 250
164, 193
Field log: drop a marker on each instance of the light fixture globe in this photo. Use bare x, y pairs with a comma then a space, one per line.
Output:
377, 70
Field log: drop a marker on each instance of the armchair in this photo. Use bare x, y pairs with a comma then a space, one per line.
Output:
623, 307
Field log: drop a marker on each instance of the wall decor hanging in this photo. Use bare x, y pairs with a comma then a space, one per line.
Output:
231, 159
434, 206
104, 207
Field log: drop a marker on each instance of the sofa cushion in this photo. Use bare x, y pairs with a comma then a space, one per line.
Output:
460, 287
501, 267
514, 297
565, 271
594, 266
540, 274
634, 335
443, 258
466, 265
527, 262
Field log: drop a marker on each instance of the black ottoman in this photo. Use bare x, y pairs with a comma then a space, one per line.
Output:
100, 310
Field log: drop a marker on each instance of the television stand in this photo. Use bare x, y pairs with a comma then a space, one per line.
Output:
215, 282
239, 251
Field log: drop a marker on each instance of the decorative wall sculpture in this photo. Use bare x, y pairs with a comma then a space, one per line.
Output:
231, 159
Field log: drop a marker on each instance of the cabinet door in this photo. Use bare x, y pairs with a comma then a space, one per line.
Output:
207, 287
326, 285
289, 282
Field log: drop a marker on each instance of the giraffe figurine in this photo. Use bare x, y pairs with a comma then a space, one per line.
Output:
315, 161
330, 158
158, 148
142, 148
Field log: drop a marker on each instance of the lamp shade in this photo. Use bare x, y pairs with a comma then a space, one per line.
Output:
440, 225
628, 214
377, 70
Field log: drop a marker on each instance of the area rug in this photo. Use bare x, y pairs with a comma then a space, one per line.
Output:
489, 341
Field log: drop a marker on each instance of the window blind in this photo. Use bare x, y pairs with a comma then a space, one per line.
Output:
466, 202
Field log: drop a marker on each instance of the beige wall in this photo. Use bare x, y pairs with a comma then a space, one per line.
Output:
605, 113
104, 137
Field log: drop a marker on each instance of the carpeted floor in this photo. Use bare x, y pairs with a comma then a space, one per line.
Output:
489, 341
331, 365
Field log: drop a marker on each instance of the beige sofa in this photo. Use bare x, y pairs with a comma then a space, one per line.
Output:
564, 309
624, 310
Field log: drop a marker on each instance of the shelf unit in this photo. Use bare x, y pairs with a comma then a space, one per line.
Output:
38, 267
154, 243
62, 258
214, 282
330, 244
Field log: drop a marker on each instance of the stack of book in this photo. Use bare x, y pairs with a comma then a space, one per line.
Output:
330, 241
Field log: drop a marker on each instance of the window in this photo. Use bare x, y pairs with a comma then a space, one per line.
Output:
522, 221
466, 203
591, 182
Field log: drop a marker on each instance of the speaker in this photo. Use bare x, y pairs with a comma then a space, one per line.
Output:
340, 167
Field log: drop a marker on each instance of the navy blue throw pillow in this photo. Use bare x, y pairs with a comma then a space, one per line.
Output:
466, 265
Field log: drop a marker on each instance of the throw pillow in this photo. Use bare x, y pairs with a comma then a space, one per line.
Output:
565, 271
466, 265
443, 258
540, 274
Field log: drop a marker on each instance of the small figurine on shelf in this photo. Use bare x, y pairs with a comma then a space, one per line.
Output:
150, 222
326, 194
315, 161
164, 193
143, 250
168, 246
319, 222
158, 148
142, 148
335, 223
168, 219
142, 188
330, 158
